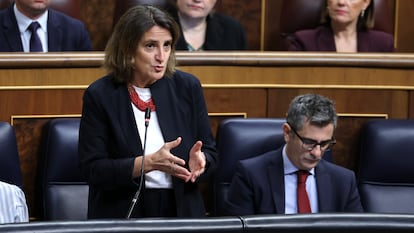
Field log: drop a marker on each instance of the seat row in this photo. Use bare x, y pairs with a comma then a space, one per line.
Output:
320, 223
386, 179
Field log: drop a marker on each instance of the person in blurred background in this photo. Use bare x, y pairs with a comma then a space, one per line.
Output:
204, 29
30, 26
347, 27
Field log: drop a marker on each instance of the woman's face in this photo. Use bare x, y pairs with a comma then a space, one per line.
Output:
195, 8
151, 56
345, 12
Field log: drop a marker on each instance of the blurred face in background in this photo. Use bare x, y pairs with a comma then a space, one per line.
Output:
345, 12
195, 8
32, 8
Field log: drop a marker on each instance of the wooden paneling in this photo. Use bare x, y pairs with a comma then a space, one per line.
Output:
404, 28
98, 18
271, 35
248, 13
37, 87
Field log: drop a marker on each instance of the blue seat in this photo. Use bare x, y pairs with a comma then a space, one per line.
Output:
64, 190
240, 138
386, 174
10, 171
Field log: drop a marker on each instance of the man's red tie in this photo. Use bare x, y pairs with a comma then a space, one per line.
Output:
303, 199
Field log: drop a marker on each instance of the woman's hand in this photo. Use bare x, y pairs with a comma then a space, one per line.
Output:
163, 160
197, 162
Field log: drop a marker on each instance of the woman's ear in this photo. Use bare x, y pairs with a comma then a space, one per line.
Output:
366, 4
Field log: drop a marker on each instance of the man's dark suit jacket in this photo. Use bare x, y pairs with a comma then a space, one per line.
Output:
223, 33
109, 141
64, 33
322, 39
258, 187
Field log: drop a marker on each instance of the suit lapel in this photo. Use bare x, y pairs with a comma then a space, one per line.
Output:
327, 41
276, 176
324, 187
363, 42
127, 120
11, 31
214, 33
54, 32
166, 112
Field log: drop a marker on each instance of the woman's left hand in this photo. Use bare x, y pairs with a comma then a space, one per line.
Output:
197, 162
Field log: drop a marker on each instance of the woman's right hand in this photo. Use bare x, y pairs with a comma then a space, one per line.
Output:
163, 160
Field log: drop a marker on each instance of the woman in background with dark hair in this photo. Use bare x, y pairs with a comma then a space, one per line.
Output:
204, 29
347, 27
143, 86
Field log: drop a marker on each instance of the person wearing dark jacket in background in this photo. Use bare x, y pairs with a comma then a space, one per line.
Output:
347, 27
56, 31
203, 29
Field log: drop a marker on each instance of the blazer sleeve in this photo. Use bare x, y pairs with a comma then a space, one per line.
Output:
240, 196
354, 202
103, 160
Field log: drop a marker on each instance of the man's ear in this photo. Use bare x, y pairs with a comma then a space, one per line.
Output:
286, 132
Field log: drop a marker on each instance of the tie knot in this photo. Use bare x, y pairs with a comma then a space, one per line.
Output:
34, 26
302, 175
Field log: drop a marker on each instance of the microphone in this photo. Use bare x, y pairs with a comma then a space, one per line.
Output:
141, 180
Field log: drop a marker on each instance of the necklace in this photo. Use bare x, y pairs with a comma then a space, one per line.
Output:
138, 102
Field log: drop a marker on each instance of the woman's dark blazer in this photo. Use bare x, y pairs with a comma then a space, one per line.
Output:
322, 39
109, 141
223, 33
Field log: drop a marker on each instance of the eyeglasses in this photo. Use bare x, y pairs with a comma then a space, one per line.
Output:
310, 144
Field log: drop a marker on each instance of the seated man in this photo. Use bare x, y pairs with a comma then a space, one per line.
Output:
294, 178
29, 26
13, 204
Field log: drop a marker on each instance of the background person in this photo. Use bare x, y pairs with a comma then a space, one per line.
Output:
57, 32
347, 27
13, 204
268, 183
180, 148
203, 29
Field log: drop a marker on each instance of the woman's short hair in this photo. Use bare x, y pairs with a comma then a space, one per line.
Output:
365, 21
122, 45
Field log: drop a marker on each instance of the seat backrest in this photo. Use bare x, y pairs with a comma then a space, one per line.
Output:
239, 138
10, 171
64, 190
306, 14
386, 174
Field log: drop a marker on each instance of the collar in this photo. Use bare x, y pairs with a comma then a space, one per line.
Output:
23, 21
